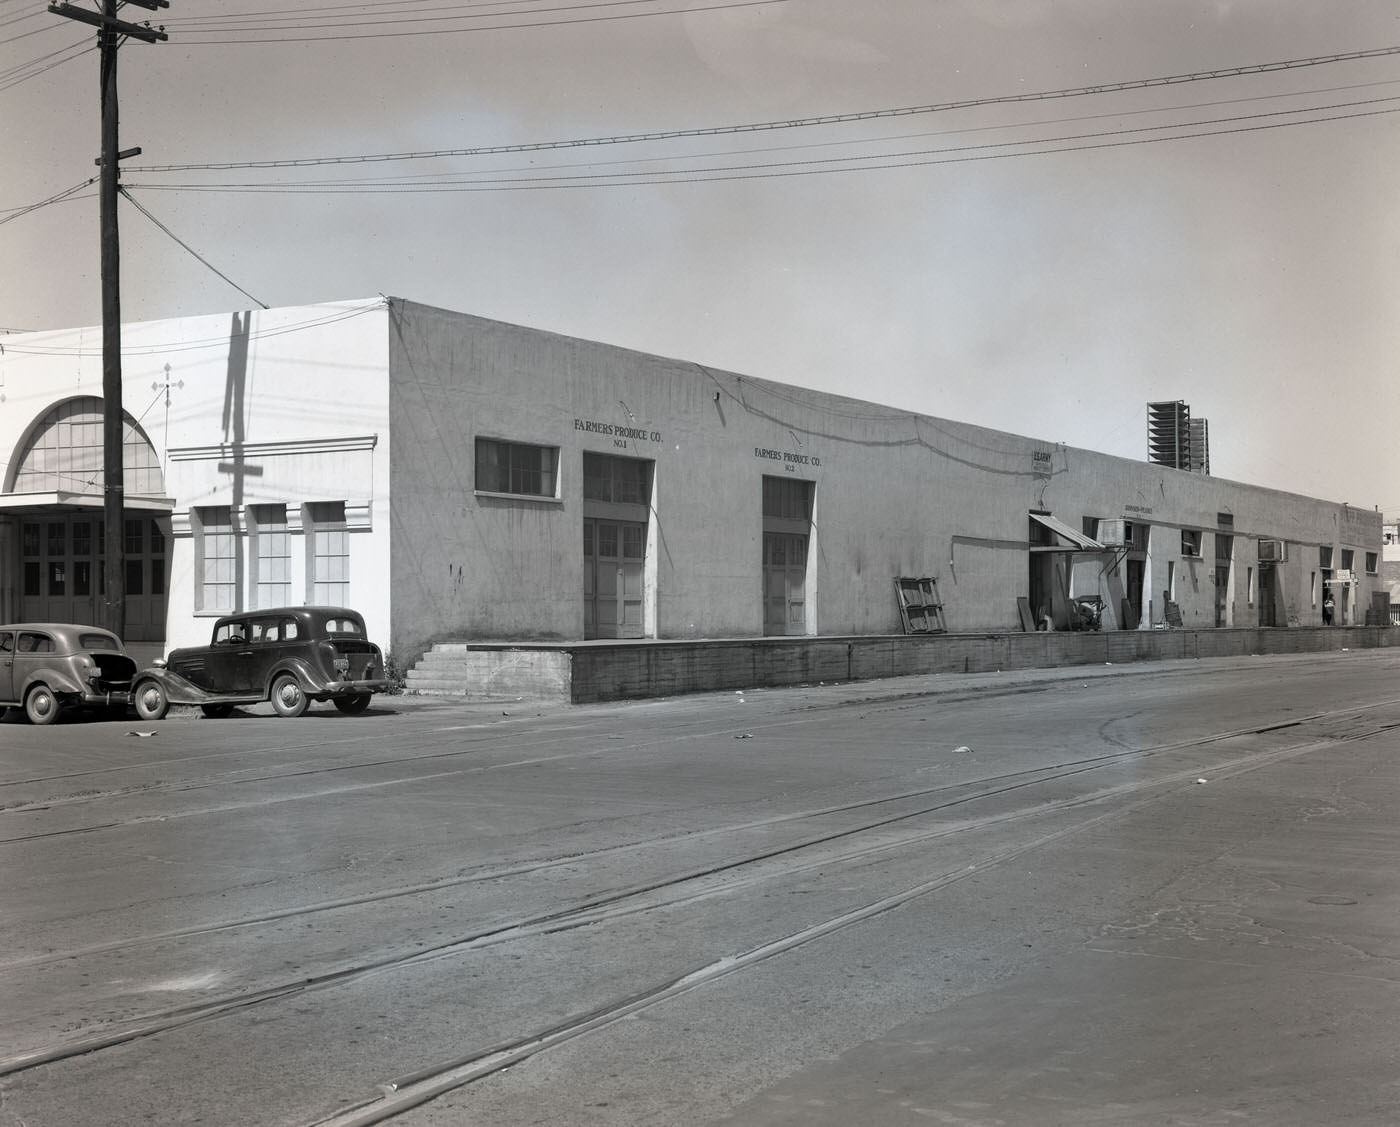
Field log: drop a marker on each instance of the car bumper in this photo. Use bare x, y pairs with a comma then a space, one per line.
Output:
94, 699
349, 688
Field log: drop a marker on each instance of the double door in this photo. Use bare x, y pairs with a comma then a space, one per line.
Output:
62, 578
614, 558
1224, 552
784, 583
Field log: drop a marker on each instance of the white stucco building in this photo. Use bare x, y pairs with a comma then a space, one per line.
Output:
455, 478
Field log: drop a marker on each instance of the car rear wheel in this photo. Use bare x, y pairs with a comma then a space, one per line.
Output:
216, 711
41, 706
150, 700
353, 705
287, 697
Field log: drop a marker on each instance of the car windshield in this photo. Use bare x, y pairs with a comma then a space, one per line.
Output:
97, 641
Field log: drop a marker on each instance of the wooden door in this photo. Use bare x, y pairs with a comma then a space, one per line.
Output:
784, 583
614, 570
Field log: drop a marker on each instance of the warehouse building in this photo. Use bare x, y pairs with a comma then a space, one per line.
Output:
461, 479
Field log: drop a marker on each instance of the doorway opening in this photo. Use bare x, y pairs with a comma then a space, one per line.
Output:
616, 517
787, 531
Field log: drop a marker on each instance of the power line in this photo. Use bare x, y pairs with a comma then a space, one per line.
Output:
186, 35
189, 249
129, 349
385, 13
182, 22
813, 166
537, 170
190, 33
882, 140
793, 123
44, 63
57, 197
11, 20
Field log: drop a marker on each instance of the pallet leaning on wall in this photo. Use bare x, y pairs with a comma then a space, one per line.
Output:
919, 607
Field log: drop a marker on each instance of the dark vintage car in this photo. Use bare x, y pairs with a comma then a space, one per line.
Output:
289, 656
47, 668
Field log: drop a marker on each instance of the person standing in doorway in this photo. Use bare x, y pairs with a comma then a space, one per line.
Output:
1328, 607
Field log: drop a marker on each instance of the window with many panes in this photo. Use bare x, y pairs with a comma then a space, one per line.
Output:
516, 468
621, 480
328, 553
134, 542
157, 560
272, 556
787, 498
216, 550
82, 558
67, 452
57, 539
29, 538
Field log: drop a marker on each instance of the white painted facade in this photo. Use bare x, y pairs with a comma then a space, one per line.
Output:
281, 407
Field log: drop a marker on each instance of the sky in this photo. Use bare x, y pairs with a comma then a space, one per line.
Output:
746, 191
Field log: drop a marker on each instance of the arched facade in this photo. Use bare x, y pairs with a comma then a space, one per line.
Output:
63, 453
55, 531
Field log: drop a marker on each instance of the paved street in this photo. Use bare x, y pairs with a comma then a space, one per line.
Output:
1148, 894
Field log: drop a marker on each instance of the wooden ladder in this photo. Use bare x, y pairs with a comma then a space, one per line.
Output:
919, 607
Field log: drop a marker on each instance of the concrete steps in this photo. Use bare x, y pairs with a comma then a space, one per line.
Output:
455, 669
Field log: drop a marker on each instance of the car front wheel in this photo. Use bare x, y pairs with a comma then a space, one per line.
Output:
150, 700
41, 706
287, 697
353, 705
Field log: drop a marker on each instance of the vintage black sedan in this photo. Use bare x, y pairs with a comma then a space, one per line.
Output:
47, 668
289, 656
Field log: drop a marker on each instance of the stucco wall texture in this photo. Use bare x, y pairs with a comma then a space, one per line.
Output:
379, 403
896, 494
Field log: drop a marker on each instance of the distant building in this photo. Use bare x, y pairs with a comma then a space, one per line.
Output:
1177, 440
1390, 566
1169, 434
1200, 446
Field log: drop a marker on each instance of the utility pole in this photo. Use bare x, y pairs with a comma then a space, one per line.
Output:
110, 32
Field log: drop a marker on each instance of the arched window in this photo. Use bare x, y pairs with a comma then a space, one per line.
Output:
64, 454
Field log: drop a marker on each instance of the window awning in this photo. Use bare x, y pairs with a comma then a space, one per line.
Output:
1078, 542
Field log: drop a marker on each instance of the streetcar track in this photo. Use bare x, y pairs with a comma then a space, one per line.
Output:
408, 1091
801, 719
575, 859
1030, 776
557, 735
614, 904
489, 731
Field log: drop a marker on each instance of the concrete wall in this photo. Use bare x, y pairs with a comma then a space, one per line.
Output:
602, 672
895, 494
615, 673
